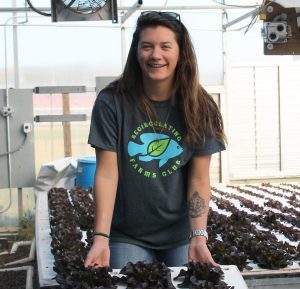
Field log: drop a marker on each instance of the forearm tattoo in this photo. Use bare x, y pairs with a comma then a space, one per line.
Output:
196, 205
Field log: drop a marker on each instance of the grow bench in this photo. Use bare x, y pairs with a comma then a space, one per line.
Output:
45, 259
288, 278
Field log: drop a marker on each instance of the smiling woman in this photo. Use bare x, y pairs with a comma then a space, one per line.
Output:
158, 54
154, 130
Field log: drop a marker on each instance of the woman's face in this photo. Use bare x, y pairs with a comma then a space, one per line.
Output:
158, 54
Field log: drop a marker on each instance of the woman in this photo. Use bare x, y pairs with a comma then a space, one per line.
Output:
154, 131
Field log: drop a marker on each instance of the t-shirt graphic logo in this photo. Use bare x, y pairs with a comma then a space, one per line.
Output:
155, 147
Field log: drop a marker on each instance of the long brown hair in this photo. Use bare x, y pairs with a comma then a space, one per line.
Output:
201, 114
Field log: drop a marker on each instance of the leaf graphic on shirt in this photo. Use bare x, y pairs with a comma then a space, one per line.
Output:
158, 147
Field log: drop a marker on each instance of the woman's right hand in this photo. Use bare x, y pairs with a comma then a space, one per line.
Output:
99, 254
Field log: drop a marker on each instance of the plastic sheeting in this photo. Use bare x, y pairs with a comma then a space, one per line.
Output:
59, 173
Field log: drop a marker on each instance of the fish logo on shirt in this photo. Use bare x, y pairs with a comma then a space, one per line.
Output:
155, 147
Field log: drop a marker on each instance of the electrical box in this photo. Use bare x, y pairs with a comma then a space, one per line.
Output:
281, 27
17, 158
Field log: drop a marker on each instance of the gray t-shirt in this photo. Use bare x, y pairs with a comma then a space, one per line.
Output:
151, 202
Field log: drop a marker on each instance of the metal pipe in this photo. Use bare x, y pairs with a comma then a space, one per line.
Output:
123, 43
223, 162
17, 85
104, 26
57, 24
125, 8
7, 123
16, 54
280, 128
63, 24
251, 13
123, 46
130, 11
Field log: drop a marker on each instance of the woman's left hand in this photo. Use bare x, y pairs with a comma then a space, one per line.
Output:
198, 251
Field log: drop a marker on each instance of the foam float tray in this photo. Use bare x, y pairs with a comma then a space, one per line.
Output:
286, 278
232, 276
45, 259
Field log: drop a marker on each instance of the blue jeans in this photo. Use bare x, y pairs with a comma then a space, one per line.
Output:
121, 253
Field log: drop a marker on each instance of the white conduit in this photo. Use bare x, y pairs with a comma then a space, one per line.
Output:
31, 253
16, 245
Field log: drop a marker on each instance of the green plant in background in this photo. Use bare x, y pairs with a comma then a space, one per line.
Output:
26, 227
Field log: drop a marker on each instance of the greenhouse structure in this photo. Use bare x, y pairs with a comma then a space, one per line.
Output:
56, 56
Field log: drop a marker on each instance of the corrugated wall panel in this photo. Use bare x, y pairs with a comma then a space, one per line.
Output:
290, 111
253, 122
267, 119
215, 166
241, 122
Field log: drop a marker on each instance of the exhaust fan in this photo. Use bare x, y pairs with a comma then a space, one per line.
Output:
84, 10
80, 10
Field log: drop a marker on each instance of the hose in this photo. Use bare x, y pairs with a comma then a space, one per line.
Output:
36, 10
